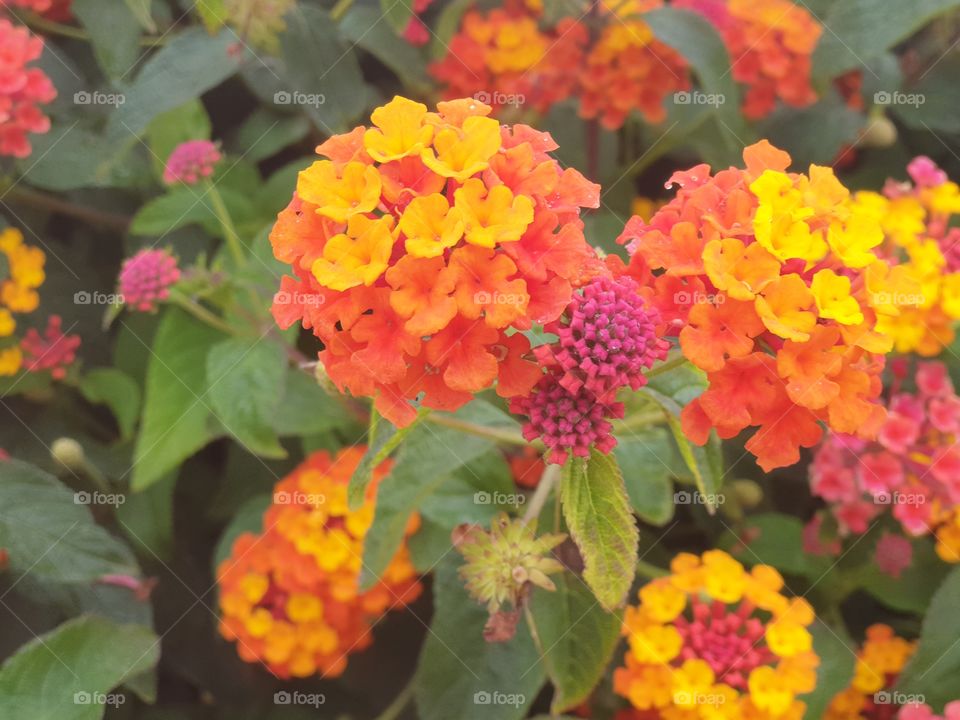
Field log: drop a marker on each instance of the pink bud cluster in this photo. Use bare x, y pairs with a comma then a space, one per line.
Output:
606, 338
919, 711
912, 468
53, 351
146, 278
191, 161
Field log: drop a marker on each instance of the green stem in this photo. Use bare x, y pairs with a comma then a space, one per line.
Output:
507, 437
340, 9
650, 571
640, 420
51, 27
394, 709
666, 366
229, 230
544, 488
200, 312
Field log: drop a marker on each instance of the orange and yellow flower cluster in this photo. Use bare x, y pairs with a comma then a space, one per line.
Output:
916, 220
22, 274
289, 596
421, 244
771, 43
879, 663
712, 641
772, 282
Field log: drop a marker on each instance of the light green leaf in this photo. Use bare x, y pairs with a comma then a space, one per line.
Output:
649, 462
459, 674
397, 13
178, 125
933, 670
306, 408
384, 438
118, 391
213, 13
246, 381
175, 413
114, 32
141, 9
837, 653
49, 533
597, 511
578, 638
66, 674
249, 518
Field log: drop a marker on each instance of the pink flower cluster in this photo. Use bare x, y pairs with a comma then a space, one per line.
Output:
191, 161
913, 467
417, 32
919, 711
606, 338
21, 90
51, 351
146, 278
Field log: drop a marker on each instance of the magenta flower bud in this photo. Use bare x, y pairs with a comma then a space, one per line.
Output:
191, 162
146, 278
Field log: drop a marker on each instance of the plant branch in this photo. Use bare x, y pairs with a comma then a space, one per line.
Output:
65, 207
544, 489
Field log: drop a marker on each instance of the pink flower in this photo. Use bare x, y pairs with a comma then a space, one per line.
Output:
191, 162
898, 433
21, 89
52, 351
855, 517
880, 472
893, 554
932, 379
146, 278
925, 173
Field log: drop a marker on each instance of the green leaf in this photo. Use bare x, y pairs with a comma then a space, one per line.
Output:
577, 636
246, 380
175, 413
319, 64
249, 518
447, 25
933, 670
837, 655
65, 674
213, 13
397, 13
114, 32
936, 99
775, 539
597, 511
426, 460
649, 461
384, 438
858, 30
814, 134
183, 206
68, 157
118, 391
49, 533
915, 587
178, 125
192, 63
141, 9
459, 674
365, 27
265, 133
306, 408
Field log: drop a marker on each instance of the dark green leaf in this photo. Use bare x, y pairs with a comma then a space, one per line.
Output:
397, 13
114, 32
837, 655
649, 462
178, 125
116, 390
366, 28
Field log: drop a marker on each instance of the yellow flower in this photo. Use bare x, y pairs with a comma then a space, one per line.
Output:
725, 577
787, 639
7, 323
662, 600
492, 216
431, 226
10, 360
254, 586
852, 241
359, 256
779, 223
784, 307
460, 153
690, 682
831, 292
769, 692
354, 190
401, 130
303, 607
655, 643
740, 271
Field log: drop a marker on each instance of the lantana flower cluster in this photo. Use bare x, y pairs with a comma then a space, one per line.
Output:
607, 337
290, 596
771, 44
916, 219
22, 90
712, 640
421, 245
875, 674
23, 275
146, 278
911, 469
763, 275
922, 711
